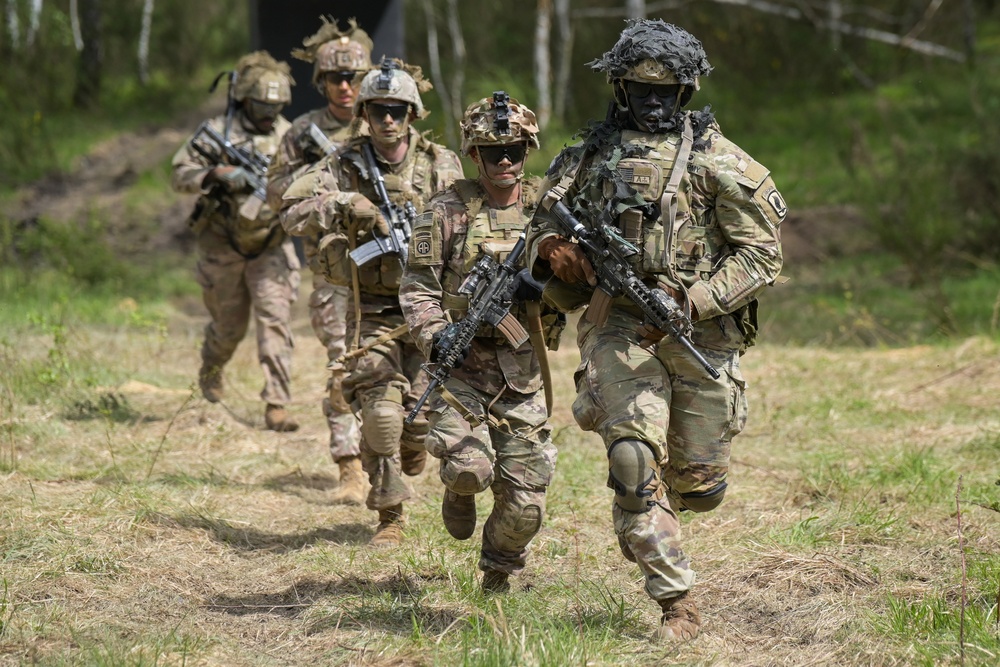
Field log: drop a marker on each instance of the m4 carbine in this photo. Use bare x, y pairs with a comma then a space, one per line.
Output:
315, 142
489, 287
399, 218
608, 252
251, 161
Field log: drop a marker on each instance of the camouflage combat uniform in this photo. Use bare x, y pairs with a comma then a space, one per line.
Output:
244, 266
722, 248
317, 205
516, 460
328, 304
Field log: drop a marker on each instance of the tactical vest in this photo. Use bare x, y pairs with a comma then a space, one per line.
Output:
492, 232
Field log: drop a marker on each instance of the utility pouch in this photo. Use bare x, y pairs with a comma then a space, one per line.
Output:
333, 259
203, 209
746, 322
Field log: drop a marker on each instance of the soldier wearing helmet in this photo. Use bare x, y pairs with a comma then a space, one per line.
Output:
703, 218
246, 266
496, 384
338, 57
338, 201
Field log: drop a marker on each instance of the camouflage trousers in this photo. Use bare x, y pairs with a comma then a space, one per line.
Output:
515, 460
234, 288
664, 398
389, 374
328, 312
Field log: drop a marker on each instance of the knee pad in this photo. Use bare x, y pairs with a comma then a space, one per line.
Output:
382, 426
704, 501
633, 474
468, 483
527, 521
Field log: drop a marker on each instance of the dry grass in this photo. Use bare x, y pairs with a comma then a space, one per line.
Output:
182, 533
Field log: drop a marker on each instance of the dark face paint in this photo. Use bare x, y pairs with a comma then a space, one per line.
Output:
263, 114
651, 105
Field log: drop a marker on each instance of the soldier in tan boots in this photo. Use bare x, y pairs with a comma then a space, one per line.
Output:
337, 57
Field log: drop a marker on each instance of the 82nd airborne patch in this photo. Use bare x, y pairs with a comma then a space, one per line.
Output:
777, 202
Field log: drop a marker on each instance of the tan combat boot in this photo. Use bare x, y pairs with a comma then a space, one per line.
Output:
278, 419
459, 514
680, 621
210, 381
495, 581
352, 482
389, 532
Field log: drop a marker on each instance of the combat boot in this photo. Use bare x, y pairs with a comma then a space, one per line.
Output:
495, 581
680, 621
389, 532
413, 460
210, 381
278, 419
352, 482
459, 514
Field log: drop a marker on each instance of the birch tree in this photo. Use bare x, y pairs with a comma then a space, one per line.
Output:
458, 64
74, 24
13, 24
635, 9
564, 62
437, 76
143, 52
543, 68
91, 60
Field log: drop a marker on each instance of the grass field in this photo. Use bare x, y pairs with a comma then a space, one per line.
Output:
140, 525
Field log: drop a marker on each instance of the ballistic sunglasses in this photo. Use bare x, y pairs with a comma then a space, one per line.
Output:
496, 154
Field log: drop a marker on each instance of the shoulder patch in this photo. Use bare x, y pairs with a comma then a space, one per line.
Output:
425, 243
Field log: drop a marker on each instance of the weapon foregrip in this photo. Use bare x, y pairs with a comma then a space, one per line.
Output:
431, 386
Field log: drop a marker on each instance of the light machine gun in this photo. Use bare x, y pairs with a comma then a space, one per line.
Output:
608, 252
490, 287
399, 218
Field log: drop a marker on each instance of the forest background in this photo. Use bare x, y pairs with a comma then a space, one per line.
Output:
878, 121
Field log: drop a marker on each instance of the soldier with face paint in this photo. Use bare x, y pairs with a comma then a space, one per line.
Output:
338, 202
245, 266
337, 57
703, 217
489, 426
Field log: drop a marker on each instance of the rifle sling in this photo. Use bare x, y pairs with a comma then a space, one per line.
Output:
393, 334
537, 337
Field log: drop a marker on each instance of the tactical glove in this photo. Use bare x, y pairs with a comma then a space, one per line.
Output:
233, 179
436, 351
365, 215
526, 288
567, 261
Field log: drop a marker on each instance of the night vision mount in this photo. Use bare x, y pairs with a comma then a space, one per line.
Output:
501, 102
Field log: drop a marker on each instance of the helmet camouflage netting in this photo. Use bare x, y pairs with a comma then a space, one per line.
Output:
654, 51
482, 127
393, 80
331, 49
260, 77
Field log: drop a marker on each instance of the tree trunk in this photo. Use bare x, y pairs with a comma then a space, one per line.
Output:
13, 25
74, 23
636, 9
565, 62
969, 29
91, 61
543, 68
437, 76
143, 53
458, 53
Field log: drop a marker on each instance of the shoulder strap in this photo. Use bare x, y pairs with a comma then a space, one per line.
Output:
668, 202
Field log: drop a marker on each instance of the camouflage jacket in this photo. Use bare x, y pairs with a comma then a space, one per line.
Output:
448, 238
723, 246
296, 154
317, 204
216, 220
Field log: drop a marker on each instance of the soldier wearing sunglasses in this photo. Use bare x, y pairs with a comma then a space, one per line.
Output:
337, 57
497, 387
702, 218
338, 202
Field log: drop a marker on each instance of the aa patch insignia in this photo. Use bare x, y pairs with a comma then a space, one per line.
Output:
774, 198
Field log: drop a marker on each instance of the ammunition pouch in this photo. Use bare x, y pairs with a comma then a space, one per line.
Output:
746, 321
333, 260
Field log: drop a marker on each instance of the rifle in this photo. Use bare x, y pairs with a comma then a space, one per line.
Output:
253, 162
313, 137
608, 252
400, 218
488, 286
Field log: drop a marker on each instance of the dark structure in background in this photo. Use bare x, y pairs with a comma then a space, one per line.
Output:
279, 26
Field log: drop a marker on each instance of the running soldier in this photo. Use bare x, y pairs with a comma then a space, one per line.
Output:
497, 386
337, 58
246, 262
698, 220
339, 202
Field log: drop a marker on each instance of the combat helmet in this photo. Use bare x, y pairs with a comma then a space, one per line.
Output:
334, 50
260, 77
498, 120
656, 52
393, 79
